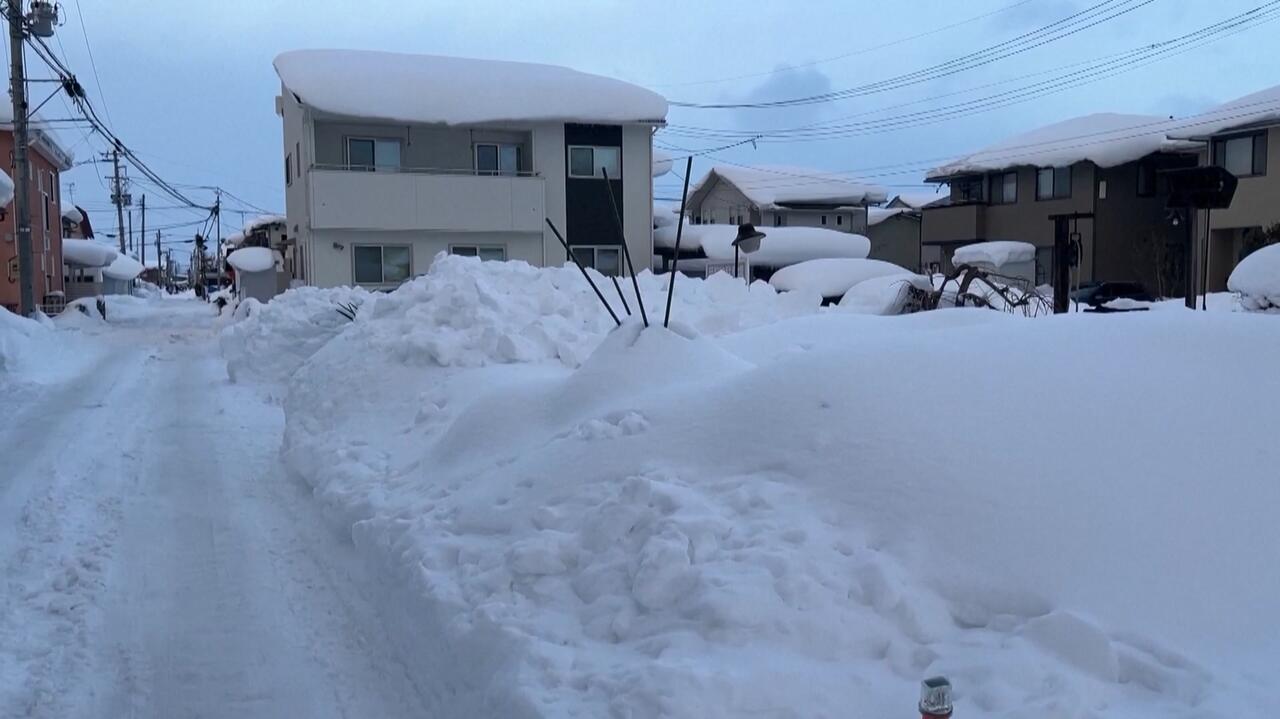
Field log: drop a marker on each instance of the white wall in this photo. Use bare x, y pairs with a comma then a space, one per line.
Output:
549, 159
637, 203
414, 201
333, 254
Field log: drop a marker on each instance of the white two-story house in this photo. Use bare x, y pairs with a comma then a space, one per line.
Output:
393, 158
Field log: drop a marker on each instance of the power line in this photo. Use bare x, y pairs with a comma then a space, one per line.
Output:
1066, 27
92, 62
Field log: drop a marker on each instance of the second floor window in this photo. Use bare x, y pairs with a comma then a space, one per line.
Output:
967, 189
493, 158
1244, 156
373, 153
1004, 188
594, 161
1053, 183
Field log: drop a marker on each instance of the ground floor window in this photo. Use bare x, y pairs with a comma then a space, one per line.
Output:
607, 260
381, 264
496, 253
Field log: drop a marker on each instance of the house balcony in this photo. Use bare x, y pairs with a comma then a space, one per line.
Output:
953, 223
425, 199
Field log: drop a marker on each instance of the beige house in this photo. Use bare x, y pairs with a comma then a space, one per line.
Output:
1242, 136
1093, 180
895, 235
778, 196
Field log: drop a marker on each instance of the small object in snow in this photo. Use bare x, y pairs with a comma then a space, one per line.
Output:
935, 698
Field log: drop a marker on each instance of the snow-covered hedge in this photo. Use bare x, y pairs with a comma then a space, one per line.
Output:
1257, 280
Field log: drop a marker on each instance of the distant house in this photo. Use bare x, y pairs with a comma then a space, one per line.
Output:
49, 158
271, 232
919, 200
895, 235
1242, 136
778, 196
1093, 180
392, 158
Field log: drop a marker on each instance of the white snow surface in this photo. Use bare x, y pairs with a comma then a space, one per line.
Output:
1257, 279
661, 162
71, 212
6, 188
252, 259
831, 277
123, 267
997, 253
432, 89
263, 221
768, 186
87, 253
1257, 108
781, 246
1106, 139
776, 511
884, 295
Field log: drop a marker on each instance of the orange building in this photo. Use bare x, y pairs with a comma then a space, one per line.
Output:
48, 161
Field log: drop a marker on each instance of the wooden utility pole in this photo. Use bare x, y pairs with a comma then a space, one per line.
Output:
21, 162
142, 237
117, 196
131, 230
217, 220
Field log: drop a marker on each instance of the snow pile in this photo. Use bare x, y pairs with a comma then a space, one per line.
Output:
1257, 279
772, 186
252, 259
123, 267
1105, 139
996, 253
661, 162
73, 213
431, 89
831, 277
888, 294
780, 247
796, 516
87, 253
261, 221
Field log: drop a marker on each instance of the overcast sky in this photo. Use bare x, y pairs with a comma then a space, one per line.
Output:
189, 85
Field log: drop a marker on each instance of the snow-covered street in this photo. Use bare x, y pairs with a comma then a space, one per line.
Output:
158, 564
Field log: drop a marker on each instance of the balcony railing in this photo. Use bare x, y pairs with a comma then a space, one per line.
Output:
465, 171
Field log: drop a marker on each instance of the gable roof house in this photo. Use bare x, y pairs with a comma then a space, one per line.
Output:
393, 158
1242, 136
780, 196
1094, 179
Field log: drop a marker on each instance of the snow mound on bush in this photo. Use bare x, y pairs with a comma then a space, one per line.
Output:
1257, 279
270, 343
885, 295
831, 277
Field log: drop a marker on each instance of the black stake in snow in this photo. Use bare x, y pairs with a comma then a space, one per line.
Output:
583, 270
621, 296
622, 235
675, 262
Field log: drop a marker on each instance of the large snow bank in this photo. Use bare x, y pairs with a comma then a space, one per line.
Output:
252, 259
792, 517
996, 253
831, 277
431, 89
87, 253
781, 246
1106, 139
771, 186
1257, 279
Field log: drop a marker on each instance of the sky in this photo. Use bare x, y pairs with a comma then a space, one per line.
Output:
190, 86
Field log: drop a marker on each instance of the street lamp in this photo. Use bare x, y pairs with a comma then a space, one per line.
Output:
747, 241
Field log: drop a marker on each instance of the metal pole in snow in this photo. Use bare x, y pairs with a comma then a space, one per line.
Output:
583, 270
675, 263
625, 252
621, 296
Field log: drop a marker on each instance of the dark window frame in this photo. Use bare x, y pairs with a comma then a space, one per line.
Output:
1258, 147
998, 179
1057, 191
382, 263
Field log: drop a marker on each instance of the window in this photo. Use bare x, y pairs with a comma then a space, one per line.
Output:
1244, 156
605, 260
1146, 179
496, 253
777, 219
1102, 189
591, 161
1044, 265
839, 219
967, 189
494, 158
1004, 188
1053, 183
370, 153
824, 219
288, 170
381, 264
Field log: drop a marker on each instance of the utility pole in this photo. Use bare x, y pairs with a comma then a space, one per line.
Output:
117, 196
131, 230
142, 237
217, 220
22, 166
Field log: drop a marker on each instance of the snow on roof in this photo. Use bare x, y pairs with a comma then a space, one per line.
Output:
832, 277
71, 212
262, 221
1257, 108
1257, 278
123, 267
770, 186
252, 259
433, 89
661, 162
87, 253
996, 253
780, 247
876, 215
43, 137
1105, 139
920, 200
6, 188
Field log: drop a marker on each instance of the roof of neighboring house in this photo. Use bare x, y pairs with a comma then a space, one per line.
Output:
920, 200
1253, 110
433, 89
262, 221
781, 246
43, 138
771, 186
876, 215
1105, 139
